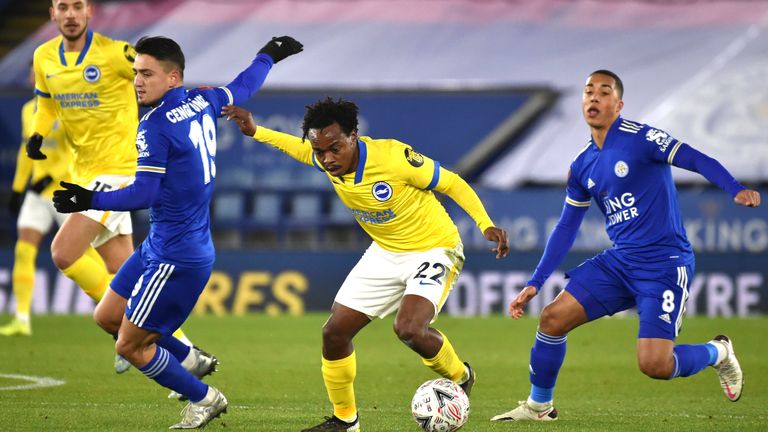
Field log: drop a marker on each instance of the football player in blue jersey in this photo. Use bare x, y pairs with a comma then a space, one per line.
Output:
157, 287
625, 169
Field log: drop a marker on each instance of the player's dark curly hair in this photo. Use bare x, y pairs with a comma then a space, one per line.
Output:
163, 49
326, 112
619, 84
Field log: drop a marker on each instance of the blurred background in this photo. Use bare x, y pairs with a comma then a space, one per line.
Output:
491, 89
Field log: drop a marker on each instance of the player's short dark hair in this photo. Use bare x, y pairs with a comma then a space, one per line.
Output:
619, 84
326, 112
163, 49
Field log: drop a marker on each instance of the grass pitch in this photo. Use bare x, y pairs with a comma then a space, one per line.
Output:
270, 372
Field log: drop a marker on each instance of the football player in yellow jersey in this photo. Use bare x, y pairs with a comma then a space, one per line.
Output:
416, 254
35, 212
85, 79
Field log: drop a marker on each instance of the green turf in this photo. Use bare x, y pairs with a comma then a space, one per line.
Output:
270, 372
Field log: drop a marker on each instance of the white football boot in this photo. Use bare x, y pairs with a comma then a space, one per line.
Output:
525, 412
729, 370
197, 415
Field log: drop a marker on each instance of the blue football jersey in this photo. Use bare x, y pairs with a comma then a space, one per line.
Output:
630, 180
177, 140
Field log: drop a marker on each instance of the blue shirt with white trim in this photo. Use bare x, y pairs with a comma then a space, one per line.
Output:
630, 180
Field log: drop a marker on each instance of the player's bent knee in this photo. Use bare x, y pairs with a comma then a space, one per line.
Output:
551, 322
410, 331
333, 336
62, 259
105, 320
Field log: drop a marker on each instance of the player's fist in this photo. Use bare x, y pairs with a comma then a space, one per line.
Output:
748, 198
518, 304
15, 201
281, 47
242, 118
33, 147
498, 236
72, 198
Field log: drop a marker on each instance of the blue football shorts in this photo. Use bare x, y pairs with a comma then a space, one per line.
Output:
604, 285
160, 295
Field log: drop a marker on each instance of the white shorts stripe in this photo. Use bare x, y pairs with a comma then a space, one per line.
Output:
683, 283
139, 306
155, 294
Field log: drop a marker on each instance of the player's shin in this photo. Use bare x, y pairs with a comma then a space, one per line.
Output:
447, 363
547, 357
90, 274
164, 369
339, 377
24, 278
692, 359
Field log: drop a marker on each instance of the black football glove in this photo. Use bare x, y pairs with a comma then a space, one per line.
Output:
14, 203
281, 47
33, 147
40, 185
72, 198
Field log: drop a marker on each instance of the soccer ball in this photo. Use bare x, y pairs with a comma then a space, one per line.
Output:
440, 405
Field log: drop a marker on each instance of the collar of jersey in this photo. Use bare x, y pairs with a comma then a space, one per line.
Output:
174, 93
81, 57
361, 160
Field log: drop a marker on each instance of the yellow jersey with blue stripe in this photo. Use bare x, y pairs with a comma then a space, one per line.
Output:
91, 93
54, 146
390, 192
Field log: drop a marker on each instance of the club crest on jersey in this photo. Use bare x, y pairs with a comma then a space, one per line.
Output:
414, 158
91, 73
621, 169
382, 191
141, 143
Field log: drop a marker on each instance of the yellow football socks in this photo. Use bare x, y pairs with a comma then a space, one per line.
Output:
24, 277
447, 363
90, 273
339, 377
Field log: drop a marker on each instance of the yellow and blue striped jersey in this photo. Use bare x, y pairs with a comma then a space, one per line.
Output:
390, 192
91, 93
54, 146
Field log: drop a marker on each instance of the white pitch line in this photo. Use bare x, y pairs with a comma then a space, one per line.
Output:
35, 382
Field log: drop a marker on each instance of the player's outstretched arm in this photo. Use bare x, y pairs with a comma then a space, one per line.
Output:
141, 194
517, 305
691, 159
292, 145
251, 79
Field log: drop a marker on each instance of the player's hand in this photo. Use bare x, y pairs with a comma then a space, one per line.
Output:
15, 201
499, 236
72, 198
518, 304
242, 118
747, 198
281, 47
33, 147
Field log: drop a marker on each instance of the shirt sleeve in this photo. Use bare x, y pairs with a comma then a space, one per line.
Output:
693, 160
153, 148
23, 163
218, 97
575, 193
124, 57
140, 194
293, 146
249, 81
45, 115
559, 243
658, 145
